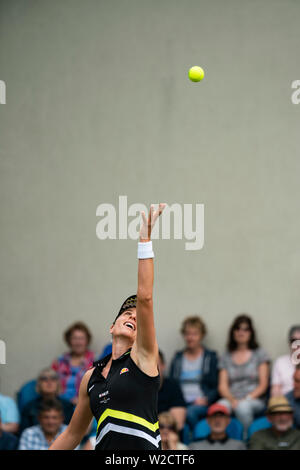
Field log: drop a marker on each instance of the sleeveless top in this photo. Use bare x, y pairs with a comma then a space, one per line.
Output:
124, 405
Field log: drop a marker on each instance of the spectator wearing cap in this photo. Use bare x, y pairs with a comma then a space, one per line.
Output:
170, 396
284, 366
48, 388
293, 397
169, 433
50, 425
196, 369
281, 435
244, 372
72, 365
218, 418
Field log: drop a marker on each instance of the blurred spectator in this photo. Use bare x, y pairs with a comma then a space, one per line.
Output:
50, 425
10, 417
7, 440
294, 397
281, 436
48, 388
244, 373
169, 433
218, 418
72, 365
170, 397
196, 369
283, 369
105, 351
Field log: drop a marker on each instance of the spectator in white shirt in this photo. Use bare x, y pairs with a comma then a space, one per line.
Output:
284, 366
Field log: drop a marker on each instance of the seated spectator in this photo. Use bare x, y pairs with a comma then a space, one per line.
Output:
169, 433
218, 418
7, 440
50, 425
294, 397
284, 368
281, 436
196, 370
72, 365
10, 417
244, 373
170, 397
48, 388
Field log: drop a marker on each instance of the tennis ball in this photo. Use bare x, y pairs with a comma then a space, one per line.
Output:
196, 74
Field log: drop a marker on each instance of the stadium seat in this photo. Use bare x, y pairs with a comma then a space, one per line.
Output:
258, 424
26, 394
234, 430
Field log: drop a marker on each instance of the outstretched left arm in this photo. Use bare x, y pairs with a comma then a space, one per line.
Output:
145, 348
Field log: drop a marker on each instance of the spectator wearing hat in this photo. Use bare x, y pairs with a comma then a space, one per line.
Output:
72, 365
218, 418
48, 388
170, 396
281, 435
284, 366
294, 397
196, 370
244, 372
169, 433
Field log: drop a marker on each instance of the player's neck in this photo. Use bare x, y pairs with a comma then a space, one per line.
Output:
119, 347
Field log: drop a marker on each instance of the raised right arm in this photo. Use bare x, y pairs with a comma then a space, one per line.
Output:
82, 416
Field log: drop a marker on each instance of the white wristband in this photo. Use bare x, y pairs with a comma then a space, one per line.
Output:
145, 250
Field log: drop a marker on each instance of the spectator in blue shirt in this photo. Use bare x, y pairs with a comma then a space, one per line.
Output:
50, 425
10, 417
7, 440
196, 369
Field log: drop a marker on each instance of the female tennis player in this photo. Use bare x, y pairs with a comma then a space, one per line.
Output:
121, 390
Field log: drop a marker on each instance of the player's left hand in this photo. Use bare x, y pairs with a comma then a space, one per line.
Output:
147, 225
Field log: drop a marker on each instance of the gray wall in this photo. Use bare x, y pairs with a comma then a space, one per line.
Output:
99, 105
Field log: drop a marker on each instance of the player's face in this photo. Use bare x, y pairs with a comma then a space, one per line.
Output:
125, 325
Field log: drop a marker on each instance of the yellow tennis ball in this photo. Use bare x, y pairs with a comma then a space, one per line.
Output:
196, 74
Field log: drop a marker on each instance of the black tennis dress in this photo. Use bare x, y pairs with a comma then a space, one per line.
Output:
124, 405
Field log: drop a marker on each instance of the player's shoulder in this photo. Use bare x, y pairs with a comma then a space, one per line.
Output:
86, 378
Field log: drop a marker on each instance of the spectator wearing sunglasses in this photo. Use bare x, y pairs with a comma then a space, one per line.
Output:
244, 372
48, 388
169, 433
284, 366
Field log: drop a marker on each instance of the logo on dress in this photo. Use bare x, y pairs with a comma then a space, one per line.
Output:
124, 370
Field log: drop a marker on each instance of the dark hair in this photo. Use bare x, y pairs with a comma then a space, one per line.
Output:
77, 326
162, 357
232, 344
47, 405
